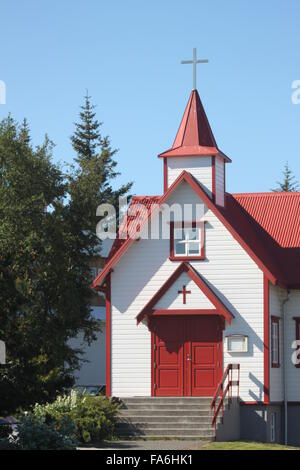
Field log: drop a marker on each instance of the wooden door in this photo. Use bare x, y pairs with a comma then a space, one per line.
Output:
186, 356
203, 355
168, 357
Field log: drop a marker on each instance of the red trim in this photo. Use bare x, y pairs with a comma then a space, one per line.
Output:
179, 311
297, 321
213, 184
275, 320
165, 175
184, 292
266, 342
192, 224
199, 281
224, 181
108, 335
152, 362
185, 176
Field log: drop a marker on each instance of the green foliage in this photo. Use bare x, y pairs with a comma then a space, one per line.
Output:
93, 417
63, 405
44, 273
90, 184
288, 183
34, 433
47, 239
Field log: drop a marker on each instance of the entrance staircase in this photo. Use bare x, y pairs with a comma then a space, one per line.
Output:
186, 418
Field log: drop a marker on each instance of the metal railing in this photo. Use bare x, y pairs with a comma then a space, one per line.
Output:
223, 389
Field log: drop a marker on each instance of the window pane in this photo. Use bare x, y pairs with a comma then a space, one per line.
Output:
180, 248
275, 343
178, 234
192, 233
194, 248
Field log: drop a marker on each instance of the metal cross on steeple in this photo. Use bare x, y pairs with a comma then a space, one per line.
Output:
195, 61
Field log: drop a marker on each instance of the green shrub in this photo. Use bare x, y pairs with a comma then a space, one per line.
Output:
93, 417
34, 433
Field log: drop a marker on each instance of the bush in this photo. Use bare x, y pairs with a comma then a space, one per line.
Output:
94, 417
35, 434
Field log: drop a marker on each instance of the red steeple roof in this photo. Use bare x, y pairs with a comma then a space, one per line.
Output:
194, 136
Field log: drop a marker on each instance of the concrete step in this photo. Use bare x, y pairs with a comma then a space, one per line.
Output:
161, 425
165, 412
163, 432
174, 437
171, 400
124, 418
167, 408
166, 417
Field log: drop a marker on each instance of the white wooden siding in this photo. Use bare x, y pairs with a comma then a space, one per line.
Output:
219, 180
199, 167
276, 296
195, 300
293, 373
142, 270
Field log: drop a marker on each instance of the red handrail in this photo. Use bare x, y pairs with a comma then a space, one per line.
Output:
217, 401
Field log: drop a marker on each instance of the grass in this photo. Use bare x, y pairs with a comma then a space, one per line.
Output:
245, 445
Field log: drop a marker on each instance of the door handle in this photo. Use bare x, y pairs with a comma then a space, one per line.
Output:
188, 357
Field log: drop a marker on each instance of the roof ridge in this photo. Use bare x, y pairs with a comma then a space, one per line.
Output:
270, 193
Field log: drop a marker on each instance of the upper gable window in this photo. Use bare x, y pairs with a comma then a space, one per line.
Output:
187, 240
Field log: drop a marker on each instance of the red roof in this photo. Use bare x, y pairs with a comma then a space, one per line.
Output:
128, 224
278, 214
259, 222
194, 136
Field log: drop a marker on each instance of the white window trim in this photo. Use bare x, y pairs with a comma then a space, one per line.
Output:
186, 242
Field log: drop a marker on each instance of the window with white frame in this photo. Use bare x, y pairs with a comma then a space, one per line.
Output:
188, 240
275, 341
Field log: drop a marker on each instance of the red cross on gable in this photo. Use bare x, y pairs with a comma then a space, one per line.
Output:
184, 292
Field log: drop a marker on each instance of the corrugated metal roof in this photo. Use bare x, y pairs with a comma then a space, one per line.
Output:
129, 222
194, 136
278, 213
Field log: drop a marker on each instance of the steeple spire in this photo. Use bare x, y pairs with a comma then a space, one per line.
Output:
194, 136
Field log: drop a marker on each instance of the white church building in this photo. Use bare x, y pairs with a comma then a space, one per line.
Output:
212, 310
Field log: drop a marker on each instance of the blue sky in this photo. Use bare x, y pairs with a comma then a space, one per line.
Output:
127, 54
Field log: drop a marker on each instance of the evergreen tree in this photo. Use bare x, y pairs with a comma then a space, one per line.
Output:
288, 183
90, 183
44, 273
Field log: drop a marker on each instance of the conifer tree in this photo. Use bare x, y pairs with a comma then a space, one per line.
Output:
289, 183
44, 273
91, 183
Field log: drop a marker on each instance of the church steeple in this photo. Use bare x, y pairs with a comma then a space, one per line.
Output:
195, 150
194, 136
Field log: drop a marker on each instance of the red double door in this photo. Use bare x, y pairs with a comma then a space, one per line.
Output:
186, 356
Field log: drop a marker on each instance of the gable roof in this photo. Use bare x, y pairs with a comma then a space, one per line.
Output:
198, 280
128, 224
278, 213
280, 265
275, 217
194, 136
